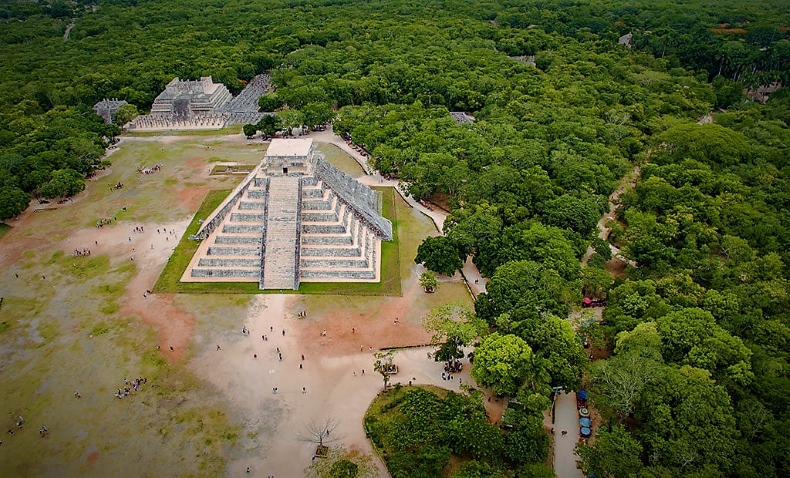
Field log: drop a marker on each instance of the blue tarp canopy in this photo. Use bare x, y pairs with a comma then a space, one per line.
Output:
585, 422
585, 432
581, 394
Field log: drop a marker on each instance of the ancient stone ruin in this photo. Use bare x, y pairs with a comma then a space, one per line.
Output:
202, 104
295, 218
107, 108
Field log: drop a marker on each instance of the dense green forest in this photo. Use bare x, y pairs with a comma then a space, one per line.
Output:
698, 383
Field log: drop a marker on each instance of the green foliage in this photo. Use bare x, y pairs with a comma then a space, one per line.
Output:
530, 287
502, 362
439, 254
269, 124
12, 202
64, 183
249, 130
428, 281
557, 349
546, 245
341, 463
270, 102
124, 114
614, 453
452, 326
418, 431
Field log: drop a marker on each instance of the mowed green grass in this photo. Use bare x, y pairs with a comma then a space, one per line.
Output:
235, 129
340, 159
390, 284
3, 229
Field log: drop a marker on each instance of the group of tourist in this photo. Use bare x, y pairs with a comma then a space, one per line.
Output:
151, 170
104, 221
131, 385
82, 252
19, 422
453, 366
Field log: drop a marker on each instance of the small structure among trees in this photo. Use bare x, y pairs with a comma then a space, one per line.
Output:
106, 108
384, 365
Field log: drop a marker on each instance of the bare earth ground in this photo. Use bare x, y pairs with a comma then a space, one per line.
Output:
83, 324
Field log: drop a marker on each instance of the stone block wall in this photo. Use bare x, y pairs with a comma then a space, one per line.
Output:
242, 228
233, 251
246, 217
327, 240
228, 262
347, 274
251, 205
237, 240
240, 273
363, 200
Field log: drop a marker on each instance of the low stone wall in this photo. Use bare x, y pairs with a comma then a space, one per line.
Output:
246, 217
240, 273
342, 274
233, 251
256, 194
362, 199
335, 263
251, 205
319, 216
242, 228
309, 252
238, 240
323, 228
327, 240
312, 192
228, 262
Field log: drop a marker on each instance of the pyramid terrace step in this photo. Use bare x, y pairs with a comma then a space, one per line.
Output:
333, 263
362, 274
246, 217
242, 228
252, 205
233, 251
238, 239
255, 194
226, 262
227, 273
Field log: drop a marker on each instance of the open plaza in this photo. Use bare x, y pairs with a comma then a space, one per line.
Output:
80, 329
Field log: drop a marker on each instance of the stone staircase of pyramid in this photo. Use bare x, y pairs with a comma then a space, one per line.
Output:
280, 269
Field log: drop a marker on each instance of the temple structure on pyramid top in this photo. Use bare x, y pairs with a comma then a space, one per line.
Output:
295, 218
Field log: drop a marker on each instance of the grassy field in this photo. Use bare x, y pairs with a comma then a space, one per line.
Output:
340, 159
235, 129
71, 323
390, 284
3, 229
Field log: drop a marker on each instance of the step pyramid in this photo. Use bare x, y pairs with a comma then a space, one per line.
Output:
295, 218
